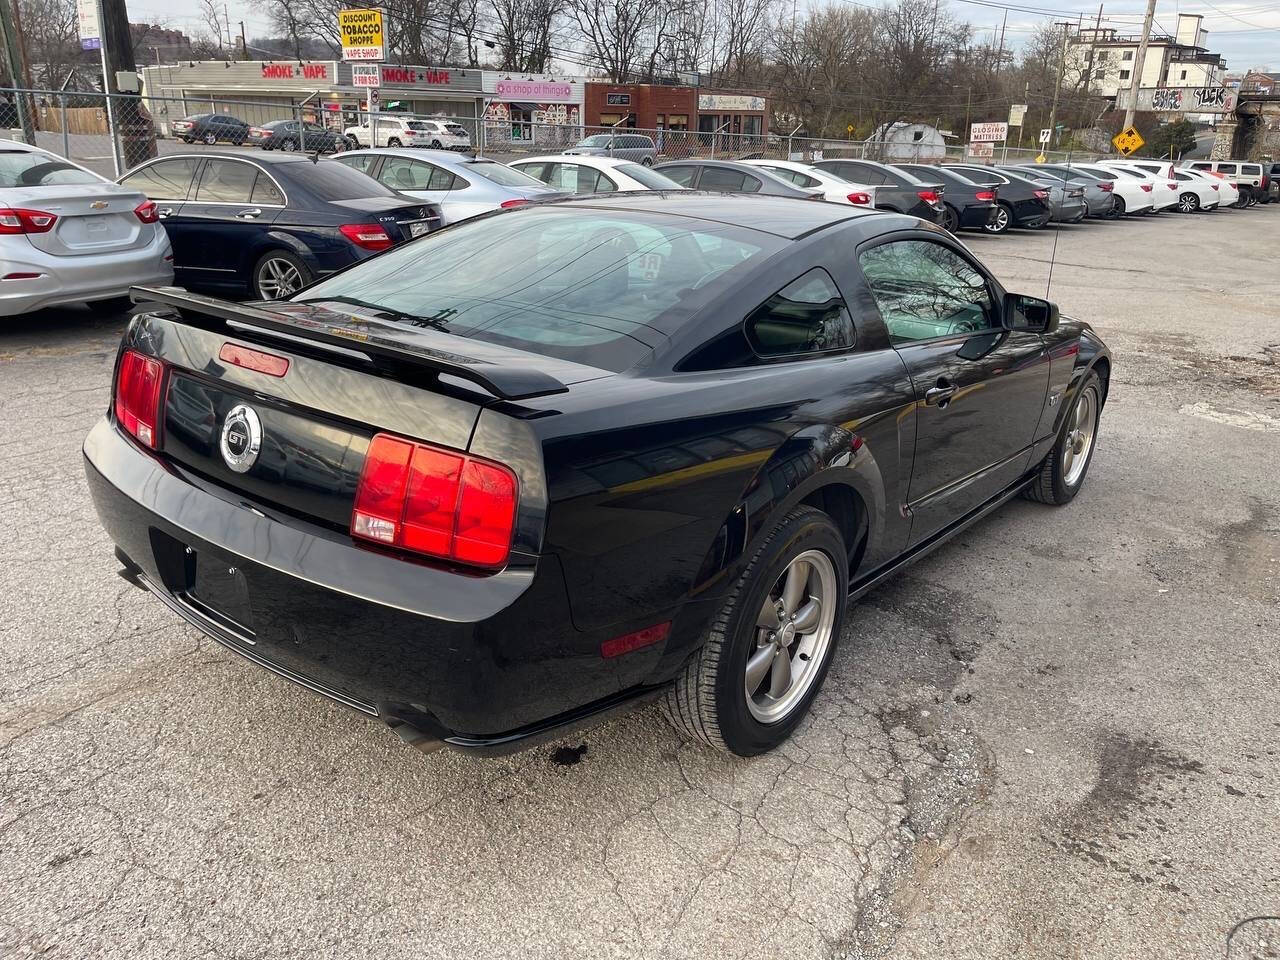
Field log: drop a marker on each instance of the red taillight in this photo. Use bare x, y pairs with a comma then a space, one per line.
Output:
1041, 194
860, 199
370, 236
138, 391
1172, 185
1106, 185
1213, 186
508, 204
33, 276
147, 211
637, 640
267, 363
22, 220
435, 502
985, 195
928, 196
1146, 187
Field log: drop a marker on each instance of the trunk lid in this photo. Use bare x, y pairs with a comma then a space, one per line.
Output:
92, 218
401, 221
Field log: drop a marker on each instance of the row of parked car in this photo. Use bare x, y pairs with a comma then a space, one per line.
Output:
265, 225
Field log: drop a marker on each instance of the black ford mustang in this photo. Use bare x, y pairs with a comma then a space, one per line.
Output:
550, 461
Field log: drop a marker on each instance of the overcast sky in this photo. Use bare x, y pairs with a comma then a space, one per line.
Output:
1245, 32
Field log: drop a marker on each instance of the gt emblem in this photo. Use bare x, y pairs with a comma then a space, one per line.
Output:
98, 205
241, 438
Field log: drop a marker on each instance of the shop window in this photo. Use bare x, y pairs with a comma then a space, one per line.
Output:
678, 121
752, 126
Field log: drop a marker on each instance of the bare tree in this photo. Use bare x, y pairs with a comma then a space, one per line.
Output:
626, 37
53, 40
524, 31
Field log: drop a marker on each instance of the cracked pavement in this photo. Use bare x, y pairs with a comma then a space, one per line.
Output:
1055, 737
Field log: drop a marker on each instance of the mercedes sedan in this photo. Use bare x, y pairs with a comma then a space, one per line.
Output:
485, 497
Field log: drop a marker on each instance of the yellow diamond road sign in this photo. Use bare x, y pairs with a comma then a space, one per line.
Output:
1042, 159
1128, 141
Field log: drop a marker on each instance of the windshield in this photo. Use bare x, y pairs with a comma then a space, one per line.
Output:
24, 168
580, 284
335, 181
501, 174
599, 140
649, 178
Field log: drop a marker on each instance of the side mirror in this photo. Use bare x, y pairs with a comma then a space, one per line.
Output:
1022, 312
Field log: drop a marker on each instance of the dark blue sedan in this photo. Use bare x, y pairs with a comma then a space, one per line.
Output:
266, 226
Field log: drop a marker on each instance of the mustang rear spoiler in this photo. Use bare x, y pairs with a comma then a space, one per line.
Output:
489, 366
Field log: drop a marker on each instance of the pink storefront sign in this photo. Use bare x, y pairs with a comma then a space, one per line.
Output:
537, 91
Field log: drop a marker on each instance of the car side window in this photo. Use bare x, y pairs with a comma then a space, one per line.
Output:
1228, 168
807, 316
681, 175
726, 181
441, 179
400, 173
164, 179
859, 173
358, 161
226, 181
265, 191
926, 290
536, 170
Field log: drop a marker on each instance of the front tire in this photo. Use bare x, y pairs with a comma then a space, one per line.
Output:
1001, 220
647, 161
768, 650
289, 146
1063, 471
394, 142
210, 138
278, 274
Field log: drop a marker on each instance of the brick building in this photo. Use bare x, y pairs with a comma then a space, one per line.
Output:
655, 106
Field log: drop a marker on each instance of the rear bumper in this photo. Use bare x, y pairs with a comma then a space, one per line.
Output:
976, 216
78, 279
1030, 214
480, 663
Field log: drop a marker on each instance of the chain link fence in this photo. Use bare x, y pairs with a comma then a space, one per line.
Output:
80, 127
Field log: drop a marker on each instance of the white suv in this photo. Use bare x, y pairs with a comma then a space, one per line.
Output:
394, 130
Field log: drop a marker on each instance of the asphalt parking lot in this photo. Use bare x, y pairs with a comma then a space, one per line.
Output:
1055, 737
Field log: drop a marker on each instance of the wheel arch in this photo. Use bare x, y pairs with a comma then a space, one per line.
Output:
824, 465
275, 240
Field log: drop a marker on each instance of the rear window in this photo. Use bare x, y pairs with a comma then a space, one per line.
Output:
333, 181
579, 284
1252, 169
23, 168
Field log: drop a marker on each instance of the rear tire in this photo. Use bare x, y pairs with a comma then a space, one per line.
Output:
1119, 209
712, 699
277, 274
435, 145
647, 161
1188, 203
950, 219
210, 138
1063, 470
289, 145
1001, 220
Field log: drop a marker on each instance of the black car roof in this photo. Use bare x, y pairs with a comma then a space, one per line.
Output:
788, 217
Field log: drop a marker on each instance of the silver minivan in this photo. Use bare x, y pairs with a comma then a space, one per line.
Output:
623, 146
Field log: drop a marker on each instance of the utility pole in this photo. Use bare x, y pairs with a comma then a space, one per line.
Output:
1057, 86
1136, 77
132, 122
1000, 51
14, 56
1093, 50
244, 44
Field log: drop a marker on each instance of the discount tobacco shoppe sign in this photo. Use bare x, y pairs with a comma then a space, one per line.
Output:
362, 34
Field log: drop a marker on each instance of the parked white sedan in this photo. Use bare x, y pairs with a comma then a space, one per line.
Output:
1228, 192
1164, 189
834, 189
69, 236
582, 173
1133, 195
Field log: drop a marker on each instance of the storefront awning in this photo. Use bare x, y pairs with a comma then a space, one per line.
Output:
525, 106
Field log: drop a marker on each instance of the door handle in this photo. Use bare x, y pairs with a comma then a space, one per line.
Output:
940, 395
249, 214
164, 212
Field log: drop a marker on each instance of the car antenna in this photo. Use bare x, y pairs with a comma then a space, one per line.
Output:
315, 155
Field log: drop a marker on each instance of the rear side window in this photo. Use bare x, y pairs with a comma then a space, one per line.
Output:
1228, 168
164, 179
807, 316
402, 174
857, 173
727, 181
500, 174
226, 181
357, 161
681, 175
1251, 169
265, 191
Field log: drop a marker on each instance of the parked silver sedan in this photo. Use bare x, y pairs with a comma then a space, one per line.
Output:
463, 186
69, 236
